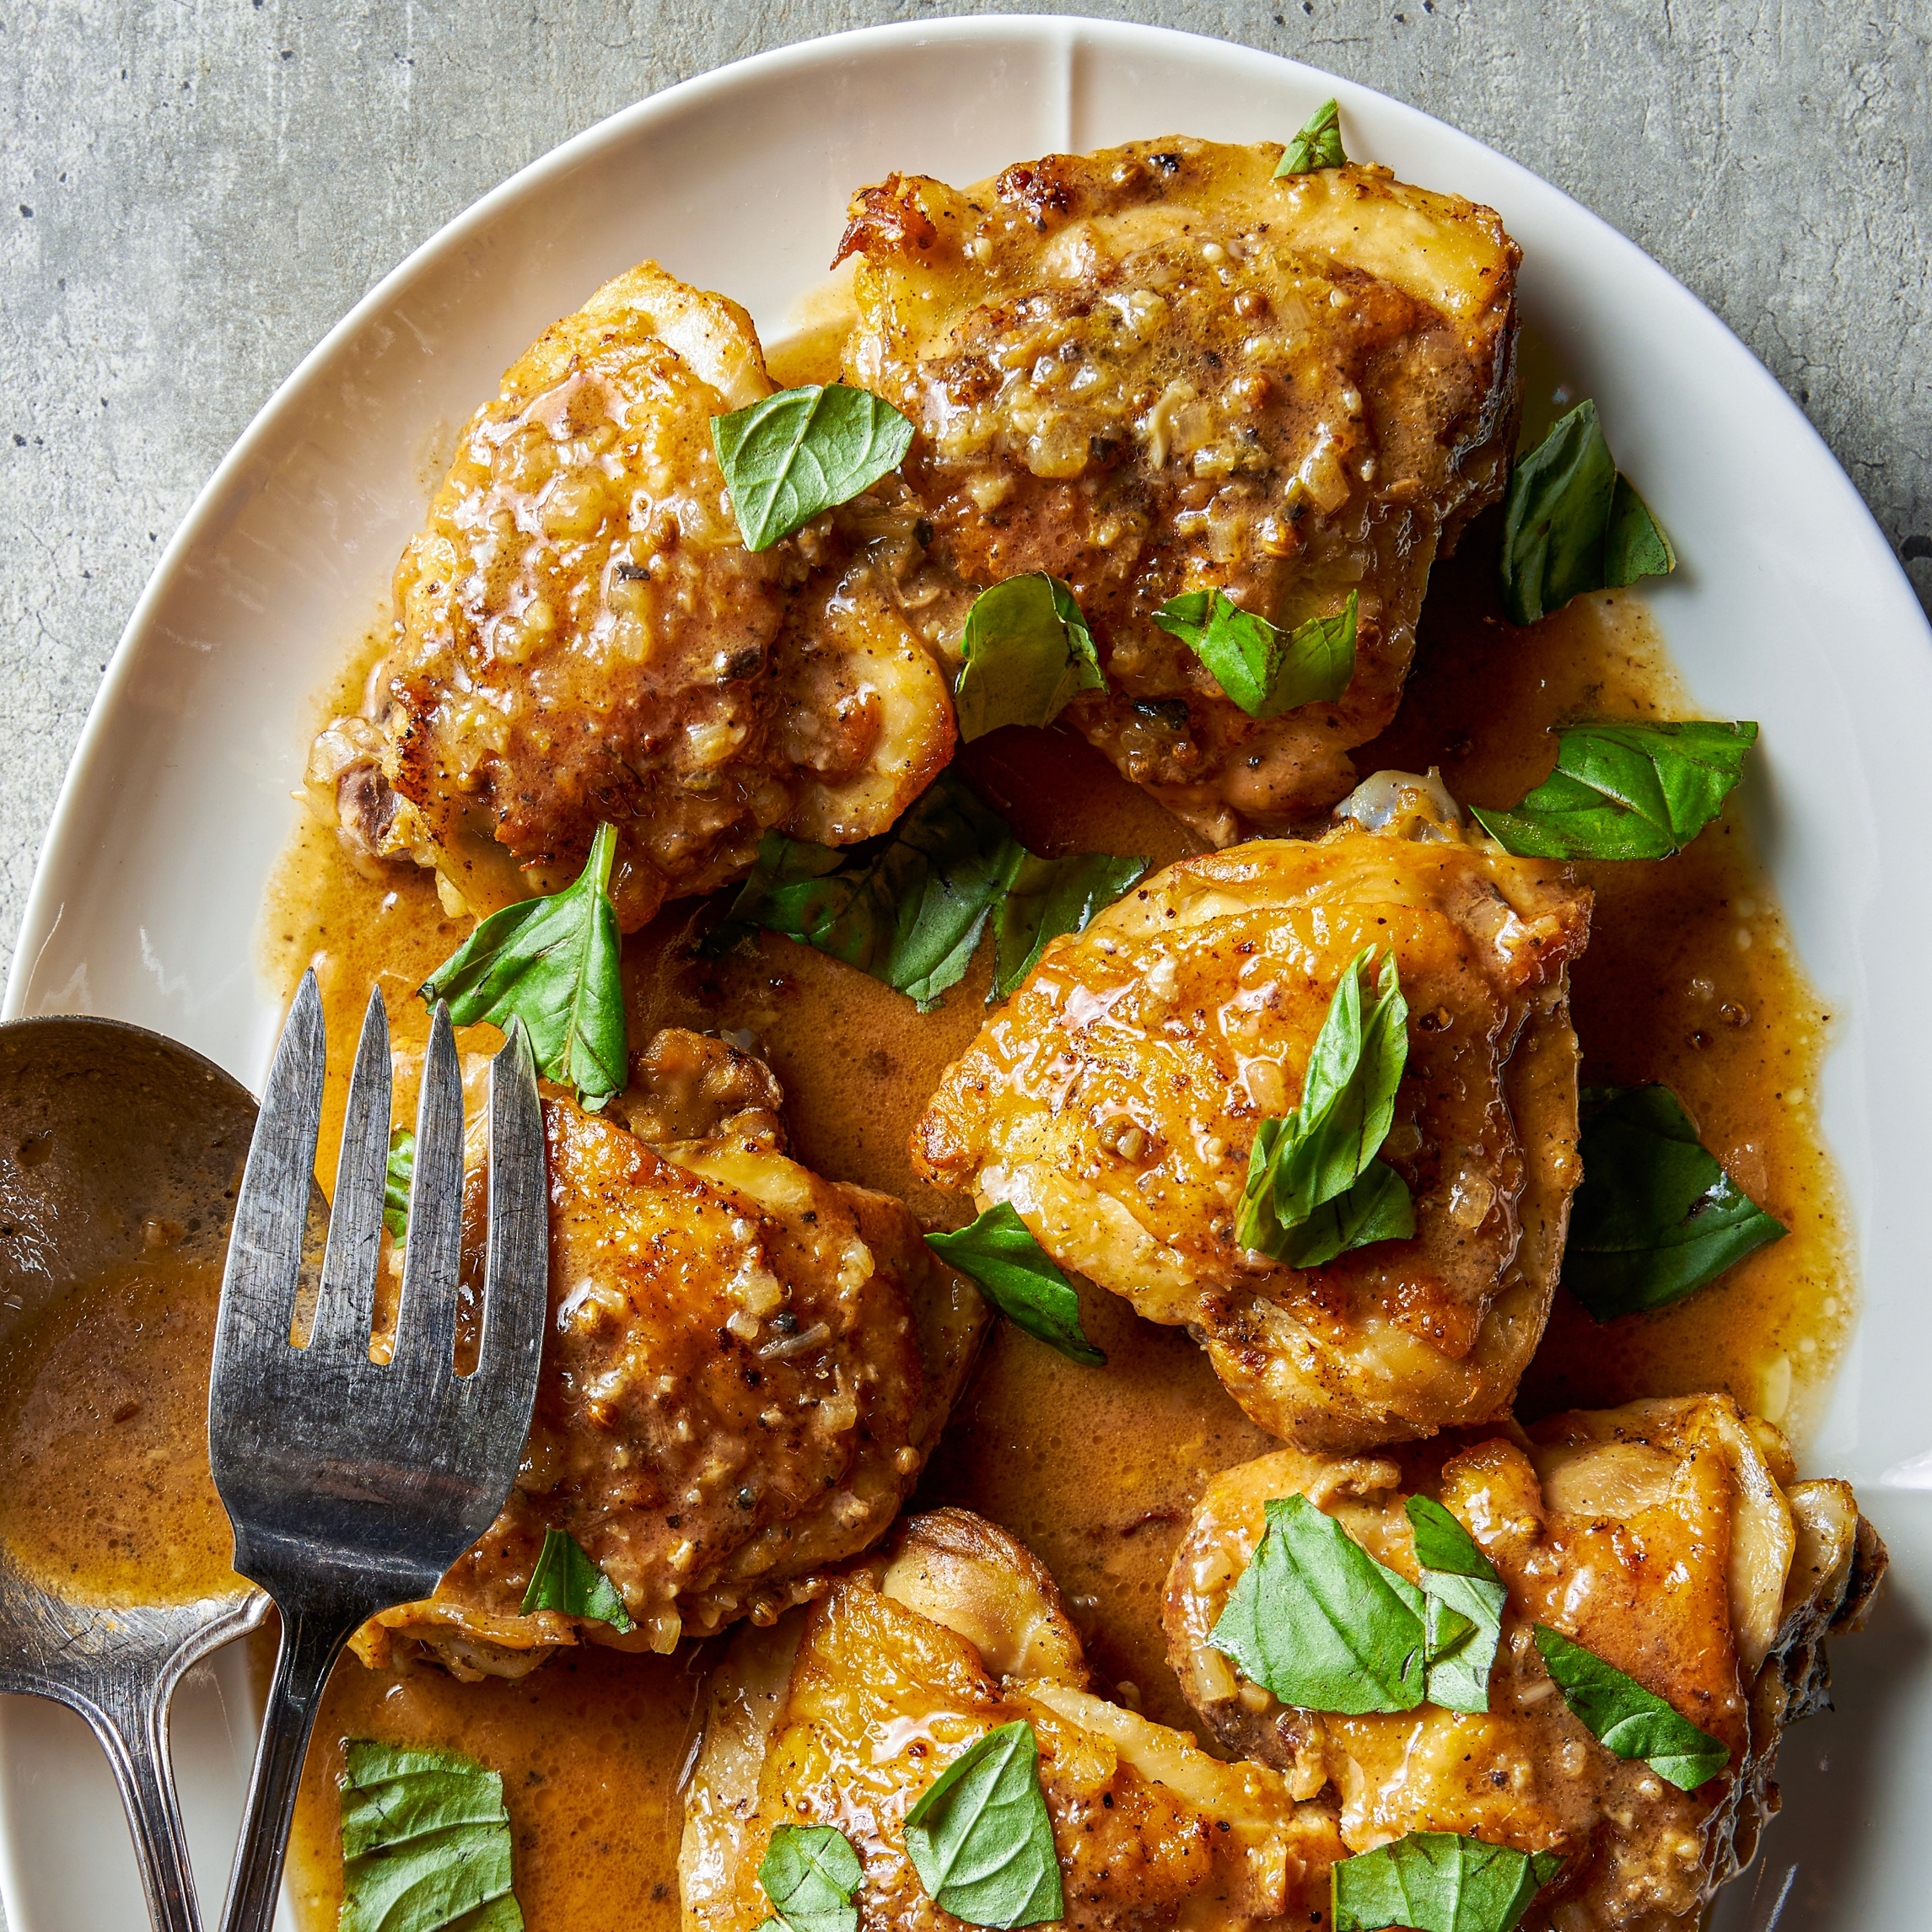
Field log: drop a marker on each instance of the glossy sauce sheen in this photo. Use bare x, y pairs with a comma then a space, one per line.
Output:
1689, 979
104, 1439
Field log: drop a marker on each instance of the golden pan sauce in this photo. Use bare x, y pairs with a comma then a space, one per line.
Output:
1689, 979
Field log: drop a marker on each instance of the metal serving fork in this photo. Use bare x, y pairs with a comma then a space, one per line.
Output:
354, 1484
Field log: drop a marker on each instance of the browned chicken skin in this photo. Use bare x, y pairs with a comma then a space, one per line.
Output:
1155, 369
744, 1371
580, 636
845, 1713
1114, 1099
1670, 1537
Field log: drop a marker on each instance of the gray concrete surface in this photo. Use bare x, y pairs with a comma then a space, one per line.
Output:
194, 192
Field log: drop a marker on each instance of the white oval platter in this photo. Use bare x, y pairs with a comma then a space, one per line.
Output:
1789, 609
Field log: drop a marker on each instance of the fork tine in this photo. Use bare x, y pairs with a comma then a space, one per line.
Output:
426, 1322
347, 1308
270, 1212
516, 1297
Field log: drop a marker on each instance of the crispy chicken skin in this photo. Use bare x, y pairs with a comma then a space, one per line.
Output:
580, 636
1670, 1537
843, 1713
1114, 1099
744, 1371
1155, 369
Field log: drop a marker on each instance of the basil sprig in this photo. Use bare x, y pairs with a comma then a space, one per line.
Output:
909, 905
553, 963
425, 1843
811, 1873
1027, 654
1019, 1280
1462, 1607
803, 450
397, 1172
1571, 522
981, 1840
1265, 670
1314, 1186
1318, 145
1318, 1621
566, 1578
1655, 1218
1626, 791
1437, 1881
1326, 1627
1633, 1722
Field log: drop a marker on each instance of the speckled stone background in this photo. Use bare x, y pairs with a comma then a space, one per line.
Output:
195, 192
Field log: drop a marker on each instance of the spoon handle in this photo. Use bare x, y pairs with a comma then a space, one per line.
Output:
129, 1715
311, 1643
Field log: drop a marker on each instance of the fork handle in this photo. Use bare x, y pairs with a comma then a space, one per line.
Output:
311, 1643
132, 1724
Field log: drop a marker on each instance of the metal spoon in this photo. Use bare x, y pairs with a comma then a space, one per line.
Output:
104, 1125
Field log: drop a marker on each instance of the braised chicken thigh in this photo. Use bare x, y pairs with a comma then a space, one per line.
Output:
1669, 1538
844, 1714
1157, 369
580, 636
1114, 1100
745, 1369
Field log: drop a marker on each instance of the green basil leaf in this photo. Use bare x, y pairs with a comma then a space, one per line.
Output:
810, 1874
566, 1578
802, 451
909, 905
1572, 524
1630, 1721
1318, 145
1027, 653
1318, 1621
553, 963
1265, 670
1626, 791
1463, 1620
1047, 897
1020, 1280
397, 1173
1437, 1881
425, 1843
980, 1838
1313, 1159
1655, 1218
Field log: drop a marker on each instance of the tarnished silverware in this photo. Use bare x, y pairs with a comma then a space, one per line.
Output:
107, 1130
354, 1484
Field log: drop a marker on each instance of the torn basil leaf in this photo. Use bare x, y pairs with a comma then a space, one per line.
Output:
1314, 1186
803, 450
1655, 1218
1027, 653
425, 1843
1265, 670
397, 1173
553, 963
1045, 897
1633, 1722
909, 905
1572, 524
1319, 1622
1318, 145
809, 1873
999, 1252
981, 1840
1437, 1881
1626, 791
566, 1578
1462, 1617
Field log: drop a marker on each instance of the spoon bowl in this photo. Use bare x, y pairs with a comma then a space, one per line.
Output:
111, 1139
